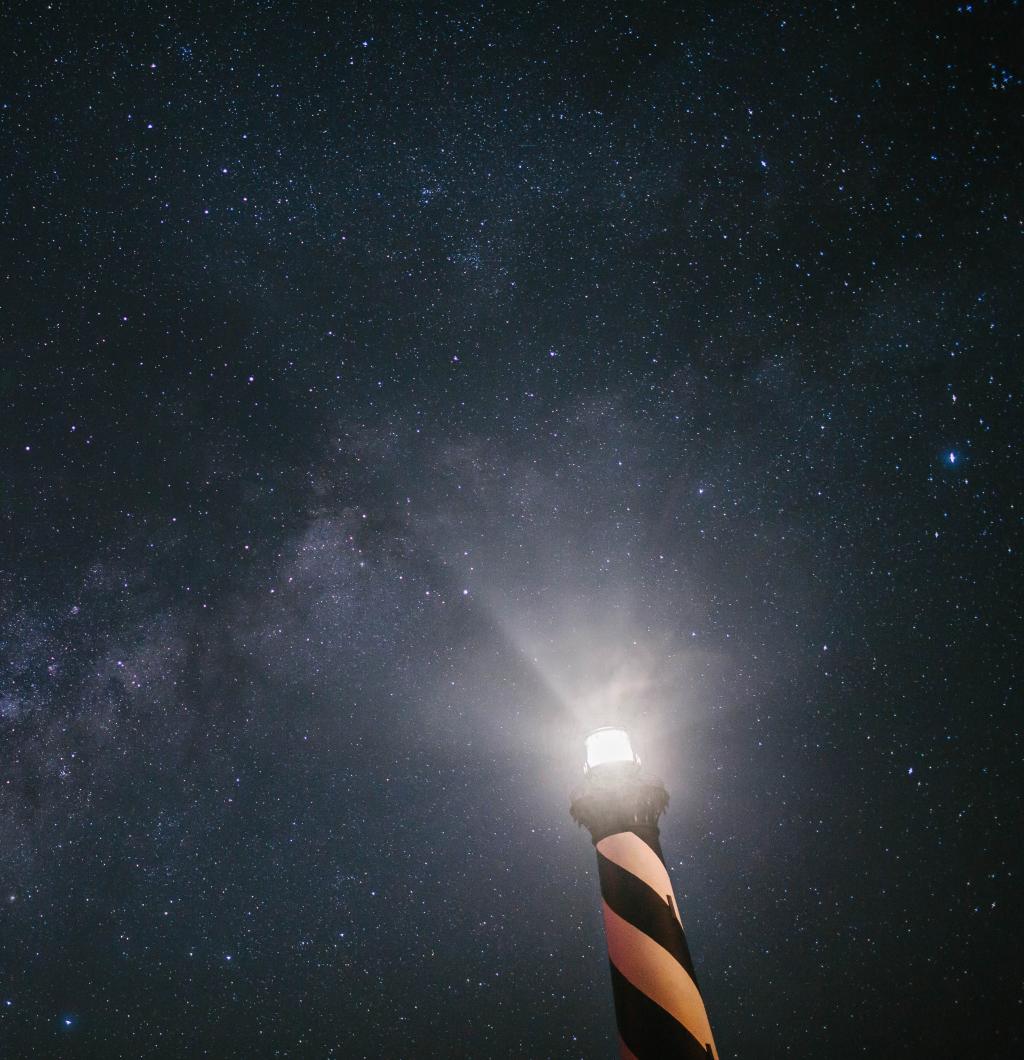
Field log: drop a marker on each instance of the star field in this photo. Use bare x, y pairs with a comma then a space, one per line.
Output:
390, 394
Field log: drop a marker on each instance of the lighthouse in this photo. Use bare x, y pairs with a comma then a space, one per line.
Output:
658, 1005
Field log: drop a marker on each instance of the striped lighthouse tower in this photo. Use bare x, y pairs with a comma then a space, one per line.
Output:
658, 1006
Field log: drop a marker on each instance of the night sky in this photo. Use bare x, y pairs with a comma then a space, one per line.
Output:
390, 393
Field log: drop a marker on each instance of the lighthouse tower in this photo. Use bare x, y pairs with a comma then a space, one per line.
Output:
658, 1006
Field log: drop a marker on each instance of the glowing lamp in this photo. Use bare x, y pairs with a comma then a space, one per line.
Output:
609, 746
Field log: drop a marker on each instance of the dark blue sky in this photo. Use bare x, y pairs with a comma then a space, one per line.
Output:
392, 392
